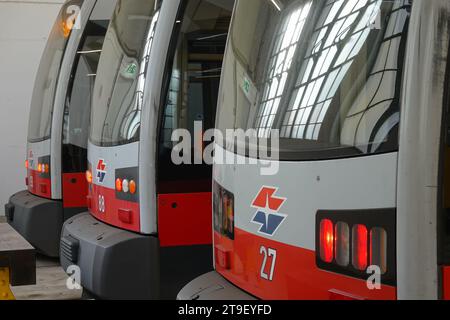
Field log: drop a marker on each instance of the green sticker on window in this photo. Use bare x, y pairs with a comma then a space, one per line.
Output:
246, 85
131, 69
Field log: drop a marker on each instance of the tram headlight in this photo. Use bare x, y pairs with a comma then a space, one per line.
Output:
89, 176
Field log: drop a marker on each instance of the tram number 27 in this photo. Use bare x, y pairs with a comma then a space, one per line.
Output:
269, 257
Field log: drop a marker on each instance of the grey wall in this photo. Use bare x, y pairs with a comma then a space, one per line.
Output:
24, 28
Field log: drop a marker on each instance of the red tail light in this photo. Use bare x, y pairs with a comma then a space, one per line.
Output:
43, 188
348, 242
118, 185
222, 257
125, 215
326, 240
26, 164
360, 247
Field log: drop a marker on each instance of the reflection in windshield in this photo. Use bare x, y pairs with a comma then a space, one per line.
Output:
47, 78
131, 124
119, 88
279, 66
79, 96
327, 74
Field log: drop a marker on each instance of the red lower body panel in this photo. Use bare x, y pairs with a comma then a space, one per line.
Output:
293, 272
104, 205
39, 185
75, 190
446, 283
184, 219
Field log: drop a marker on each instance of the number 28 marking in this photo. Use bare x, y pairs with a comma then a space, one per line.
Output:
268, 253
101, 203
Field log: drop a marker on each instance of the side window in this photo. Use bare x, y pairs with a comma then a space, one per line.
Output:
191, 94
78, 99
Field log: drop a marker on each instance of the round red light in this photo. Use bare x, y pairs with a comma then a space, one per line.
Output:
118, 185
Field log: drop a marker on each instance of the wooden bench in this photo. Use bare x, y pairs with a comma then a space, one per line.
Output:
17, 261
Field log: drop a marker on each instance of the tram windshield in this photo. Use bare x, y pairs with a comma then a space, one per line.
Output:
40, 123
119, 89
326, 74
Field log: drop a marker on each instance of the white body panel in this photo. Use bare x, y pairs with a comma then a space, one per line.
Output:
35, 151
150, 117
115, 160
348, 184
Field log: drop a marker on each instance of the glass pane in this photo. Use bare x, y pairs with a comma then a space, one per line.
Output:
193, 91
342, 243
78, 101
45, 84
121, 77
378, 248
325, 73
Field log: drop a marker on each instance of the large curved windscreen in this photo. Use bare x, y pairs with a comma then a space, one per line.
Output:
325, 73
119, 88
40, 122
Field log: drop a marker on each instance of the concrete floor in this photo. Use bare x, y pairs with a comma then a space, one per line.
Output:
51, 282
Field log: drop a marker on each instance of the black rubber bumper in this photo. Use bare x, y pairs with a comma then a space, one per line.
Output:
38, 220
114, 263
212, 286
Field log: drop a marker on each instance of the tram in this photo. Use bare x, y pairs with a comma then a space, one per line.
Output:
358, 93
147, 231
56, 159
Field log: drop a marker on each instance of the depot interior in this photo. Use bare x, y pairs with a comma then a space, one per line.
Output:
337, 190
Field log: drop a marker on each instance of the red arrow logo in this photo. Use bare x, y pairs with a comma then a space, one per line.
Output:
101, 165
266, 199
